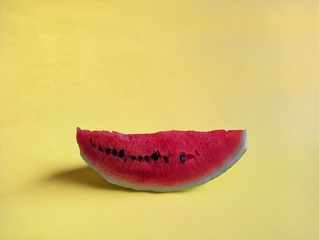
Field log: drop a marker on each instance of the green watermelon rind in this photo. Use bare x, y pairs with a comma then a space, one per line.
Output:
232, 160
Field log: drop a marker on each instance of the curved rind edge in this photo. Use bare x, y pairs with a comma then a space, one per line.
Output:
240, 152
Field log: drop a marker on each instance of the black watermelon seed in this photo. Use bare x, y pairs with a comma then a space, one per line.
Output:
182, 158
147, 158
92, 143
140, 158
165, 159
121, 153
133, 157
114, 152
155, 155
107, 151
100, 148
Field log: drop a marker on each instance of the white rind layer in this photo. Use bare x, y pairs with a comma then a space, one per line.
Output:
232, 160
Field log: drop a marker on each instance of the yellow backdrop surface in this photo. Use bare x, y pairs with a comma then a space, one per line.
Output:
145, 66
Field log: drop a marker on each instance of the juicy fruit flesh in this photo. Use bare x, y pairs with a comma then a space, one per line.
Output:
165, 160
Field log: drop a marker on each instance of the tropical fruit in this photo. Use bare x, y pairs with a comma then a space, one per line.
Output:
163, 161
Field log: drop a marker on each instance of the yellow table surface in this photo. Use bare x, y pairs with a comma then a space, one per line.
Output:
145, 66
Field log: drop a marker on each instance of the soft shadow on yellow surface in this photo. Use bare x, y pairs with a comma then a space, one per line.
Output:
86, 177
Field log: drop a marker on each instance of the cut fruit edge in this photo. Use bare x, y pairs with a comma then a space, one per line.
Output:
178, 187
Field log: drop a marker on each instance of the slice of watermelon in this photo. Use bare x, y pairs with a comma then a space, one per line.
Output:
162, 161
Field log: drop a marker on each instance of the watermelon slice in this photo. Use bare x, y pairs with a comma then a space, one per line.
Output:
162, 161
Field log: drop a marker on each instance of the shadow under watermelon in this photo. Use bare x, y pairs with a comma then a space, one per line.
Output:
85, 176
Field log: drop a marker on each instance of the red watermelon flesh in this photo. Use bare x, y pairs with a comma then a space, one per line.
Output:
162, 161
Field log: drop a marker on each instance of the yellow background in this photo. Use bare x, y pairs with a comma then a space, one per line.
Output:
144, 66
